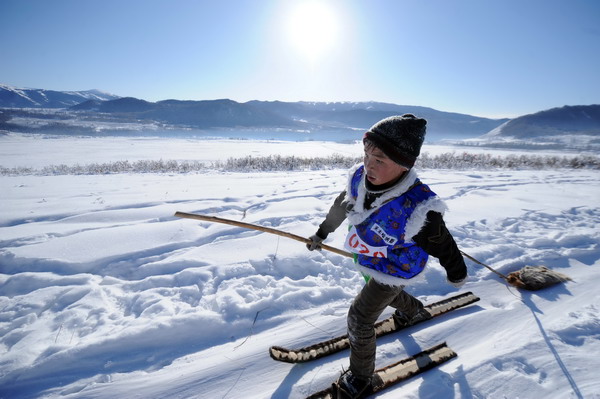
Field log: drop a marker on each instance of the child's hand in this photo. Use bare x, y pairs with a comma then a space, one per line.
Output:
314, 244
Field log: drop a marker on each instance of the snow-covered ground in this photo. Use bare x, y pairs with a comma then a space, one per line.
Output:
105, 294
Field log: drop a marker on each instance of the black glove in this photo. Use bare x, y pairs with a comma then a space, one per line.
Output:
315, 243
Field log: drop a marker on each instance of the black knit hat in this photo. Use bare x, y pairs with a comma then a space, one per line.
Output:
399, 137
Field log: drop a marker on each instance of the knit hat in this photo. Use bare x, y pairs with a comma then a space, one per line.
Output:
399, 137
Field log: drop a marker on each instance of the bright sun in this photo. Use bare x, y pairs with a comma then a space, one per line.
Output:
313, 29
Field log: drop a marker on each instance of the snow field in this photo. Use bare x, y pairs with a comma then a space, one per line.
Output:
106, 294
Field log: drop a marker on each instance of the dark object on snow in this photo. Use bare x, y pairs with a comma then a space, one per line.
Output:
536, 277
531, 278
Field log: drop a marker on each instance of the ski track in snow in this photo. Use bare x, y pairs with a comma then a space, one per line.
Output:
106, 294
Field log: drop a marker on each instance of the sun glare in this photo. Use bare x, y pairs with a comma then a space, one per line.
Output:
313, 29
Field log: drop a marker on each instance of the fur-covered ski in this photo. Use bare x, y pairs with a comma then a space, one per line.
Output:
400, 371
382, 328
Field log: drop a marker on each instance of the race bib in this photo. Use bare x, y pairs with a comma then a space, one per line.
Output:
388, 239
356, 245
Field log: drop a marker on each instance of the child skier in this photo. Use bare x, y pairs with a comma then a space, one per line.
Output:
396, 223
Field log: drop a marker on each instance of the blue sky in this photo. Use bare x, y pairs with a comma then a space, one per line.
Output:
489, 58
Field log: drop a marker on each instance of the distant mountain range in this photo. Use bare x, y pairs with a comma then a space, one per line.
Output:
94, 112
303, 116
579, 119
568, 127
14, 97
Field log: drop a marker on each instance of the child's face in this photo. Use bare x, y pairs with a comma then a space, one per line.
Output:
380, 169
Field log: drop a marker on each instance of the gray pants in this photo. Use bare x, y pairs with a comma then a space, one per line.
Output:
364, 312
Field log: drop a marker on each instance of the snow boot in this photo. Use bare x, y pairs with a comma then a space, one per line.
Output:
402, 320
349, 386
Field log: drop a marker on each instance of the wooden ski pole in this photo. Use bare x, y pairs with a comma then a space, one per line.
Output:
215, 219
259, 228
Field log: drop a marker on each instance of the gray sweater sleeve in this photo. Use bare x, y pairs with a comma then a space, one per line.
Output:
335, 217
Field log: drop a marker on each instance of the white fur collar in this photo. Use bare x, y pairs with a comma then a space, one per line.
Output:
358, 213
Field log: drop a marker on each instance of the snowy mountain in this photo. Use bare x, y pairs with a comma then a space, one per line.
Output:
97, 115
574, 127
292, 115
362, 115
579, 119
196, 114
14, 97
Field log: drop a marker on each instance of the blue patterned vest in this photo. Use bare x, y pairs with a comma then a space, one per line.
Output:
378, 235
